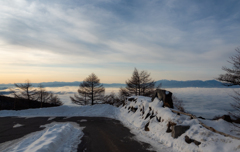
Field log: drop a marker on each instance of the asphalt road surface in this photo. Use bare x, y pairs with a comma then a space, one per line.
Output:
100, 134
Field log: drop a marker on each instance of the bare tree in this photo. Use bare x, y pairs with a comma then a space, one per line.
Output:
26, 91
54, 99
232, 75
110, 99
139, 84
115, 99
231, 78
89, 91
43, 95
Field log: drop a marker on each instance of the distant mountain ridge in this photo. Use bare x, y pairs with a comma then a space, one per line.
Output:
165, 84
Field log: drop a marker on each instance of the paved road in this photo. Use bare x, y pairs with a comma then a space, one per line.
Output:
100, 134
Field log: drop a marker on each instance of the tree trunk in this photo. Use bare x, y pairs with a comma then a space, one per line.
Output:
92, 93
41, 100
14, 106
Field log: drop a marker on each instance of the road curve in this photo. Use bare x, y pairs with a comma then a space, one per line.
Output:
100, 134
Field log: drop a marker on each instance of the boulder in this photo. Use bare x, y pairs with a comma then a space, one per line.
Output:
179, 130
165, 96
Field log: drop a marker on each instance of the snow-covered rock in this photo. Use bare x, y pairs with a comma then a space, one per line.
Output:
210, 141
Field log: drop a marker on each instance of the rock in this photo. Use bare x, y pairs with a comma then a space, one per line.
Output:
130, 99
165, 96
237, 120
189, 141
201, 117
134, 109
169, 125
197, 142
168, 130
147, 115
142, 110
179, 130
158, 119
152, 116
146, 127
226, 118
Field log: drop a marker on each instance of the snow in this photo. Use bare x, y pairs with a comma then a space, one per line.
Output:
83, 120
210, 141
98, 110
17, 125
157, 136
57, 137
205, 102
51, 118
223, 126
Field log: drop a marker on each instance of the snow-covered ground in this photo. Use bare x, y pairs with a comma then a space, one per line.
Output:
99, 110
210, 141
205, 102
60, 137
157, 136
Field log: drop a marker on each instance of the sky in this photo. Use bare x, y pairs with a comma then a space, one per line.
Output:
67, 40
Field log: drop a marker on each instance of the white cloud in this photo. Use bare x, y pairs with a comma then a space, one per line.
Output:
169, 33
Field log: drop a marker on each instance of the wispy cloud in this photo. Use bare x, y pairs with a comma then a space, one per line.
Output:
144, 34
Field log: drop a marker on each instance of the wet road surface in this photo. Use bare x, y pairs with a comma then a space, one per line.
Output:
100, 134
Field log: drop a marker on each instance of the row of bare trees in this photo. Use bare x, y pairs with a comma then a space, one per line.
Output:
91, 91
30, 93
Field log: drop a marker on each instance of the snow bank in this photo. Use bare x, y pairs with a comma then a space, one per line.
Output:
99, 110
17, 125
57, 137
141, 115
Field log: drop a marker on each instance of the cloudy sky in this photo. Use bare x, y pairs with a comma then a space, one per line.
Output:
66, 40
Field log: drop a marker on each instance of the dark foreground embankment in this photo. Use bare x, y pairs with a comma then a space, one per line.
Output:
9, 103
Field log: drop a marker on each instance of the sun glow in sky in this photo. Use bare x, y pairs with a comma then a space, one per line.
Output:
62, 40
